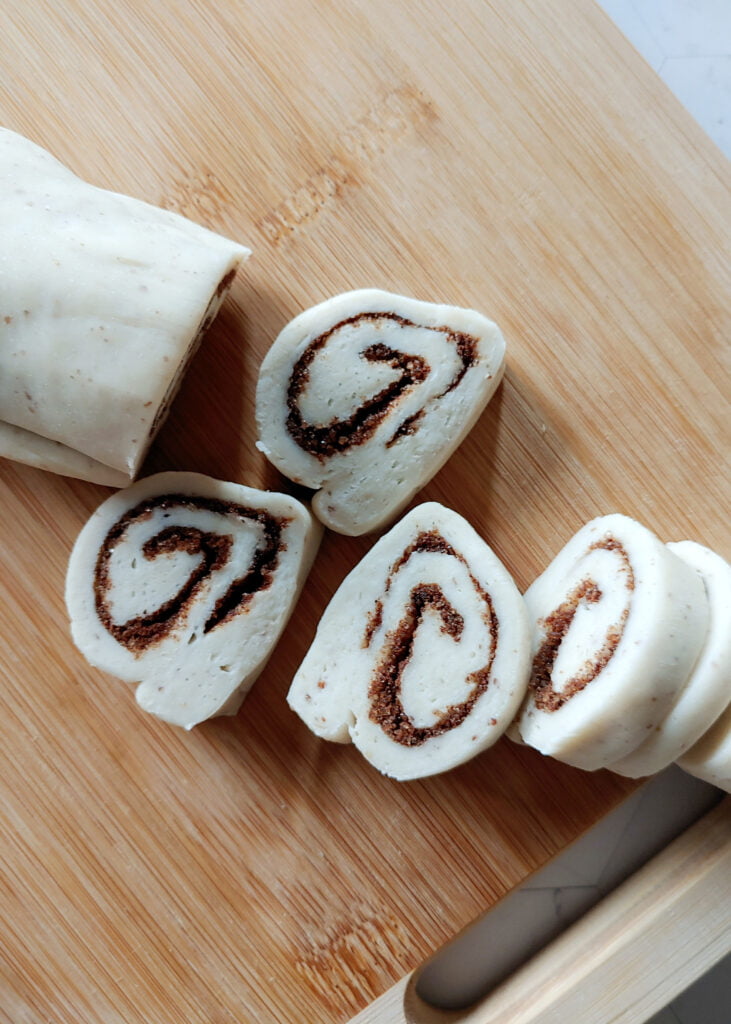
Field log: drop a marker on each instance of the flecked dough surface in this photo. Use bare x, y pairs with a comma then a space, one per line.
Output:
618, 623
104, 299
183, 584
366, 395
707, 691
422, 656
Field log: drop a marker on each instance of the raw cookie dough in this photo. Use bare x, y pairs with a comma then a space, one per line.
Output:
365, 396
422, 656
708, 690
103, 299
185, 583
619, 621
710, 758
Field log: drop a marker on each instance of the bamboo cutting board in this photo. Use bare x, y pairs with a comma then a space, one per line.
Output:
518, 158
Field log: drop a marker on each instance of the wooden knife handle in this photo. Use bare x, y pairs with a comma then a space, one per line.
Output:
624, 960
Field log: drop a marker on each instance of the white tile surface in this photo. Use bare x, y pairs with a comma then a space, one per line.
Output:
626, 15
586, 863
708, 1001
703, 84
688, 43
687, 28
666, 1016
557, 895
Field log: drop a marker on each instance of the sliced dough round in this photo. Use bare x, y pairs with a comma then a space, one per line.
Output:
618, 624
185, 583
708, 689
710, 758
365, 396
104, 300
422, 656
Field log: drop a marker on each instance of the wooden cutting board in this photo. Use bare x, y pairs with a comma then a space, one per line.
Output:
518, 158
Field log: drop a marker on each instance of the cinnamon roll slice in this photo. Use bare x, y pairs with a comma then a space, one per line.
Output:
619, 621
422, 656
365, 396
184, 584
104, 299
707, 691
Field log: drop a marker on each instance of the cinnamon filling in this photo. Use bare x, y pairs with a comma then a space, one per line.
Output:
386, 707
374, 620
208, 317
338, 435
409, 426
556, 626
141, 632
225, 283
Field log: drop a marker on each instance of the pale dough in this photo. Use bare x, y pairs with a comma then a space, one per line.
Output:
618, 622
707, 692
103, 299
421, 659
184, 584
366, 395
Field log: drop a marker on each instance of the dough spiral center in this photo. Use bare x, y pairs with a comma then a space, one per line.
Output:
385, 689
338, 435
214, 552
556, 626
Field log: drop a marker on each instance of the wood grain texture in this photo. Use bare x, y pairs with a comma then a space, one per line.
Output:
625, 960
520, 159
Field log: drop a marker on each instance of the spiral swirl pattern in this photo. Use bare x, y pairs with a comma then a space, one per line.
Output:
557, 624
213, 552
366, 395
386, 704
184, 584
618, 621
440, 657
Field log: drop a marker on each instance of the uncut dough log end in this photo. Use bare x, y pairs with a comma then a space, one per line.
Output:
104, 300
366, 395
184, 584
422, 656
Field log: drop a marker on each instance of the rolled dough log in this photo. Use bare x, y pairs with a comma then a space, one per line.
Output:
619, 621
707, 692
365, 396
422, 656
185, 584
103, 299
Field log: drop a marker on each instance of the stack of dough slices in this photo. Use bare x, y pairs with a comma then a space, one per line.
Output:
422, 657
366, 395
707, 691
710, 758
630, 648
184, 584
103, 300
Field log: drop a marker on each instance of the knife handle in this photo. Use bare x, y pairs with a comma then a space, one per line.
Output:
624, 960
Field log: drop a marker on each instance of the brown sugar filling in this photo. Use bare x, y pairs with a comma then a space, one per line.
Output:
208, 317
386, 707
324, 440
556, 626
141, 632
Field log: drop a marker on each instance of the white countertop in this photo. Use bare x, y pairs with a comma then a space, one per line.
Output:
688, 43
